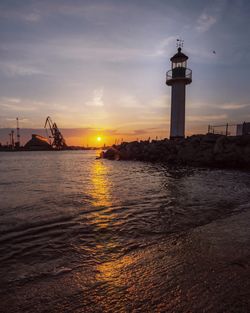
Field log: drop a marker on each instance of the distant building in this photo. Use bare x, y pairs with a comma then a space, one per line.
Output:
243, 129
38, 143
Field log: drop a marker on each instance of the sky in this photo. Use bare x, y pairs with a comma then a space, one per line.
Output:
98, 67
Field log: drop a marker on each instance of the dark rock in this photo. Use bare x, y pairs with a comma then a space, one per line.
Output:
210, 138
209, 150
111, 154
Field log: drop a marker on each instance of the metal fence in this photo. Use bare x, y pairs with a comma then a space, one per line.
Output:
230, 129
226, 129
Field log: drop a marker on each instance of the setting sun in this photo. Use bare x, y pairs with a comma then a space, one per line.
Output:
99, 139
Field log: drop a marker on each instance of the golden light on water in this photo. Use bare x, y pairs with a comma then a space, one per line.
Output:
100, 193
100, 184
103, 218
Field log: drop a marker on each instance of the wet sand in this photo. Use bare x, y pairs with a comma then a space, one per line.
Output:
206, 269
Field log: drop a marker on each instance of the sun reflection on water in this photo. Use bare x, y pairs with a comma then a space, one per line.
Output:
112, 266
100, 190
103, 216
115, 271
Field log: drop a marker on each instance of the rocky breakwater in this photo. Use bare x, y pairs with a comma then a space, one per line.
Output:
208, 150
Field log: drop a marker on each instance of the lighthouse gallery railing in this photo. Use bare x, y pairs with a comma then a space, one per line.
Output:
179, 73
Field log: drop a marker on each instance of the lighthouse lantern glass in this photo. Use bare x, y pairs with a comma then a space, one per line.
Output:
179, 64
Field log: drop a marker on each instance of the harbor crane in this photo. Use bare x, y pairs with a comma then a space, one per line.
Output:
58, 142
17, 143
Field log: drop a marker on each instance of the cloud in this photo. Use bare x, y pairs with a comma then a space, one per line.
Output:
74, 48
12, 104
233, 106
97, 100
161, 102
206, 118
25, 15
165, 45
12, 100
22, 120
129, 101
12, 70
205, 22
31, 17
17, 107
140, 132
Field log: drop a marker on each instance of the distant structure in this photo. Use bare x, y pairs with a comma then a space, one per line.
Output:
58, 140
17, 144
12, 142
37, 143
243, 129
178, 77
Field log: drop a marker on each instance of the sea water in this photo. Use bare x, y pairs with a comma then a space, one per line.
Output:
84, 235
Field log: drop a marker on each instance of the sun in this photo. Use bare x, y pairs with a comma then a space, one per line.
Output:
99, 138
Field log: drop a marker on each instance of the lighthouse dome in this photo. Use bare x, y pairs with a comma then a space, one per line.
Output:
179, 57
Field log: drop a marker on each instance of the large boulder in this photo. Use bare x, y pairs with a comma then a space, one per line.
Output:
111, 154
227, 152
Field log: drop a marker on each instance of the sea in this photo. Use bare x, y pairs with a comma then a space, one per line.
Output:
80, 234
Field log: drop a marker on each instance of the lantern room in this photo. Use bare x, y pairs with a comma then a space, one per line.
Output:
179, 68
179, 59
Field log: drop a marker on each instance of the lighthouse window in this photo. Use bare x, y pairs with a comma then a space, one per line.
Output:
179, 64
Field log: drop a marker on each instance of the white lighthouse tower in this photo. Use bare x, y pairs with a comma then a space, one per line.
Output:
178, 77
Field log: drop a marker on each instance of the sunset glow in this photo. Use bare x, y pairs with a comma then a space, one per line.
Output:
88, 81
124, 156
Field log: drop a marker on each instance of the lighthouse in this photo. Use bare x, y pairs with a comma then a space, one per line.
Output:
178, 77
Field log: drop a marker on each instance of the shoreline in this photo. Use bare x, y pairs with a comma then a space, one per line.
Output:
198, 150
204, 269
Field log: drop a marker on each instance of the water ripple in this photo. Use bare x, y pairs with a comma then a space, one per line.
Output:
98, 218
